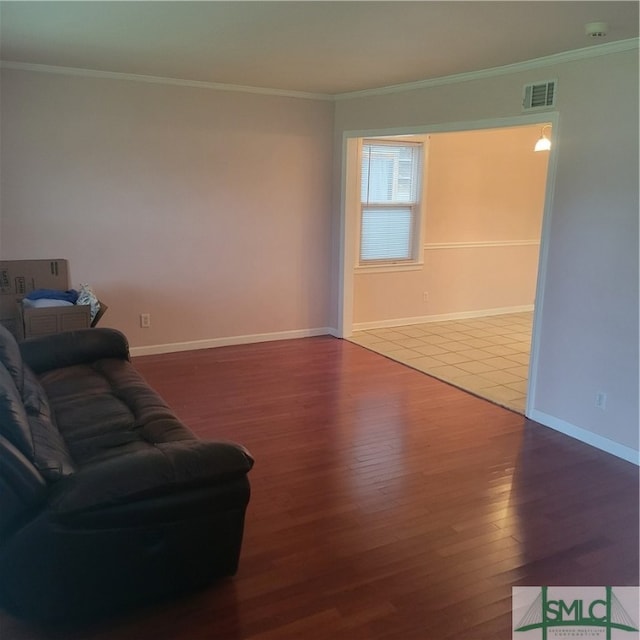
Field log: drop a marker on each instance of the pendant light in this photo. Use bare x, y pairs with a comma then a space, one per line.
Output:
543, 144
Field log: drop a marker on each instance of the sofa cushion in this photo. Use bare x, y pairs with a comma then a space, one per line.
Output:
21, 486
50, 454
124, 415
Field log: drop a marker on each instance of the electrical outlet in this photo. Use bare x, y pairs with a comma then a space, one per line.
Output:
145, 320
425, 296
601, 400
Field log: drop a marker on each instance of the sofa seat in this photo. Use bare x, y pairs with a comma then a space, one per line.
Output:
108, 500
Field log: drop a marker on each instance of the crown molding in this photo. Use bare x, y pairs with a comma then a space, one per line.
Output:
199, 84
536, 63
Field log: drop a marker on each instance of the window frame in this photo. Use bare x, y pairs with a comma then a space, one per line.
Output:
415, 261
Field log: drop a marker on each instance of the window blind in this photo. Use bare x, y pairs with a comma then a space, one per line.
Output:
386, 233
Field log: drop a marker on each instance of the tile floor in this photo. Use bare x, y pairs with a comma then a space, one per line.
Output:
488, 356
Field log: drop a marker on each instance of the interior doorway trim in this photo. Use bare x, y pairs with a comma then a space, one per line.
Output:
348, 214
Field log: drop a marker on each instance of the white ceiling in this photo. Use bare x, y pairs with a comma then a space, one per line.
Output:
310, 46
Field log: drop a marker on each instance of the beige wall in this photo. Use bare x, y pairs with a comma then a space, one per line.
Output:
484, 199
587, 330
485, 185
152, 193
210, 210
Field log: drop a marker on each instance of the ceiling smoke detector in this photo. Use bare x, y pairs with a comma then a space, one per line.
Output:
596, 29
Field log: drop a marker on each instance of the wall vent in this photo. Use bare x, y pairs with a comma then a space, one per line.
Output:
540, 95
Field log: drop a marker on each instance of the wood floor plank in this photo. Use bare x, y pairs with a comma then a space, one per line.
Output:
386, 505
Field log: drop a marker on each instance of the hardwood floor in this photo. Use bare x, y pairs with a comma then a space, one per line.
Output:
385, 504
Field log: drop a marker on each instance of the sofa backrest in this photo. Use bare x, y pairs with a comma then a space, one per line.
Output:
13, 419
11, 357
26, 420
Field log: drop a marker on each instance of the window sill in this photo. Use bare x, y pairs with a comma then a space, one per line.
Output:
389, 267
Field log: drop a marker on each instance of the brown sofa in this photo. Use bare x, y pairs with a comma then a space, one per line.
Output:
106, 499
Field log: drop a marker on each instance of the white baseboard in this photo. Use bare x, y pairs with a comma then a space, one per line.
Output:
228, 341
458, 315
588, 437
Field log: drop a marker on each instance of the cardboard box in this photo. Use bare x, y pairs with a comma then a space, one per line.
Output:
18, 278
40, 322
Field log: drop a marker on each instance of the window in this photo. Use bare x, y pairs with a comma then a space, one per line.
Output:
390, 202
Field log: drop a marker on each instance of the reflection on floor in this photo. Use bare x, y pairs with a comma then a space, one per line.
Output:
488, 356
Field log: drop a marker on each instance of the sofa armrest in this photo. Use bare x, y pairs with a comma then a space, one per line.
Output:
163, 469
73, 347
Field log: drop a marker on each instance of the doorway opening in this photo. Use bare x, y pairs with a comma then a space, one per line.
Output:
465, 309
